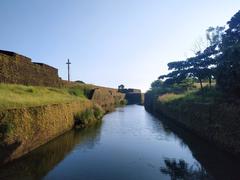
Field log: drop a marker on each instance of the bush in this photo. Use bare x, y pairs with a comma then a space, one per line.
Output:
98, 112
85, 117
88, 117
121, 102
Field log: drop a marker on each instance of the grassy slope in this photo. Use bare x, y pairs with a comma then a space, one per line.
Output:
207, 95
16, 96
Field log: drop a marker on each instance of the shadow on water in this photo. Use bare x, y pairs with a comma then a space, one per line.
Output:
214, 163
179, 169
38, 163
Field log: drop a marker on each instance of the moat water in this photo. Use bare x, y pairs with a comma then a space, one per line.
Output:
129, 144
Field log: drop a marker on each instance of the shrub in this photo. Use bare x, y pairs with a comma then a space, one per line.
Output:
98, 112
88, 117
123, 102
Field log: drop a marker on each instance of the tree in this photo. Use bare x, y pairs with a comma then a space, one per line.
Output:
220, 59
156, 84
202, 65
179, 72
120, 87
192, 67
228, 70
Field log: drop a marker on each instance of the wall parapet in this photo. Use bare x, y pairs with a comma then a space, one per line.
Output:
18, 69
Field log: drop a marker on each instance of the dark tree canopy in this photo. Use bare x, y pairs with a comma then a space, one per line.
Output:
121, 86
228, 70
220, 60
156, 84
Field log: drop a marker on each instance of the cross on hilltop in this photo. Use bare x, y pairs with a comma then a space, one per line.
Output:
68, 63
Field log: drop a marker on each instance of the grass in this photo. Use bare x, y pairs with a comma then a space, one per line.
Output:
17, 96
207, 95
168, 97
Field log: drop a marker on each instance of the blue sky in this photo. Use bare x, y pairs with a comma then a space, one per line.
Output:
109, 42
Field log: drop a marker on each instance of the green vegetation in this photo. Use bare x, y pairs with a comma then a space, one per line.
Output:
206, 95
202, 92
17, 96
161, 87
82, 90
98, 112
218, 61
215, 69
122, 102
88, 117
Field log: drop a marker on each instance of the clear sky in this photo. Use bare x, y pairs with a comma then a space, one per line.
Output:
109, 42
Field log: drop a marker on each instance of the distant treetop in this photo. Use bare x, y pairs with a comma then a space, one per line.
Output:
121, 86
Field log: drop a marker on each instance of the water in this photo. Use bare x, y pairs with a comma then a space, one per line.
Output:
128, 144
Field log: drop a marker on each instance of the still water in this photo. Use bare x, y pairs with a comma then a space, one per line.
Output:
128, 144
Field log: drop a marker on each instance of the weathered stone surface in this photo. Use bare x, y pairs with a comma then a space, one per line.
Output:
25, 129
18, 69
217, 123
133, 96
107, 98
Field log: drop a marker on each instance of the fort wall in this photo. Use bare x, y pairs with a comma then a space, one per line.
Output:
18, 69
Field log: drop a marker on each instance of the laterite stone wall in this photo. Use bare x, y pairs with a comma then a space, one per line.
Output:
18, 69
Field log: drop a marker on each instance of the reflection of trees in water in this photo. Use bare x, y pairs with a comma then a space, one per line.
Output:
180, 170
216, 162
38, 163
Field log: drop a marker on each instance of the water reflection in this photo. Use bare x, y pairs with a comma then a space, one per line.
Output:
219, 164
39, 162
129, 144
180, 169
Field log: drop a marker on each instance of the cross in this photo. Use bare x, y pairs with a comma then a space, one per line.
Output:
68, 63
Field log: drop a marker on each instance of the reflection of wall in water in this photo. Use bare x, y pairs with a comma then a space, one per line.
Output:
218, 163
38, 163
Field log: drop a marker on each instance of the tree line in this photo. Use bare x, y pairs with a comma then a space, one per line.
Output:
218, 61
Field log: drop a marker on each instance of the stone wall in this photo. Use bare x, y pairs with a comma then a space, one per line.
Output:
18, 69
107, 98
216, 123
133, 96
24, 129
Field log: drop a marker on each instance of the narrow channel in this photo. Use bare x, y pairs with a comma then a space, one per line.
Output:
128, 144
